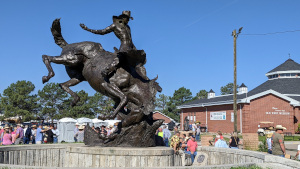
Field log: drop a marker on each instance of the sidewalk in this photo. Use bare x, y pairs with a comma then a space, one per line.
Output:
291, 147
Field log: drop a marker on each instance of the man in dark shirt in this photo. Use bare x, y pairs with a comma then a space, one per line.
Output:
49, 134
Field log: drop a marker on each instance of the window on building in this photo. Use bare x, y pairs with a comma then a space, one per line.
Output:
273, 76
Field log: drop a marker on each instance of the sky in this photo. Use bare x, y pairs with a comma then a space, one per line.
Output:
188, 42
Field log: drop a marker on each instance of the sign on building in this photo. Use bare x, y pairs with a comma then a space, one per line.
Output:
218, 115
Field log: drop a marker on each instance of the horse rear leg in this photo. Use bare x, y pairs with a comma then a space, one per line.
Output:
114, 91
67, 60
51, 73
65, 86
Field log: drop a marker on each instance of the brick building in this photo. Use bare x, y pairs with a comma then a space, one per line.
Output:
277, 100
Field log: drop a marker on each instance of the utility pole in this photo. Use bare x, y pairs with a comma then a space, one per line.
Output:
235, 35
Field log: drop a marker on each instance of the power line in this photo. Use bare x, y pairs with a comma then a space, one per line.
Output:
260, 34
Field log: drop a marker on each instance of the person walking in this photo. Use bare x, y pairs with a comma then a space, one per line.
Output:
25, 138
39, 135
234, 141
48, 132
33, 134
2, 132
75, 131
20, 134
198, 132
13, 134
55, 134
80, 134
269, 142
192, 147
166, 136
27, 134
7, 139
278, 147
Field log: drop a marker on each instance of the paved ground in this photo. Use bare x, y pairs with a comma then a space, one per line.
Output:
291, 146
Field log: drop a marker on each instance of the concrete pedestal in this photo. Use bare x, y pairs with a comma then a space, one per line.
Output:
84, 156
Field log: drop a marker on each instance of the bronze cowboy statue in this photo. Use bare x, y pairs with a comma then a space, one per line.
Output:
119, 75
122, 30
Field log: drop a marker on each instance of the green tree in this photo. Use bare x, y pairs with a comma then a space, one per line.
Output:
101, 104
180, 96
52, 98
161, 102
82, 109
17, 100
227, 89
202, 94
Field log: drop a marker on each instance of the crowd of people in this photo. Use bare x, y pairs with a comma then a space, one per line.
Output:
219, 141
21, 134
179, 143
104, 131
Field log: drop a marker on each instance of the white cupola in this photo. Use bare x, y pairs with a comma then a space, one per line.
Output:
211, 94
243, 88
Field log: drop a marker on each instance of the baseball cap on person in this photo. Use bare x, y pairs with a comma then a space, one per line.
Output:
193, 136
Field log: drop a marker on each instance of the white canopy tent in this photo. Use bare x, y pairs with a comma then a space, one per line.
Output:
85, 121
99, 123
112, 122
66, 128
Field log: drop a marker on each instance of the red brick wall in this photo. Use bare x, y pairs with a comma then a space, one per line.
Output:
273, 104
252, 113
213, 125
157, 116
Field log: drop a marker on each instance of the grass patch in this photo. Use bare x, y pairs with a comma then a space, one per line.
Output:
261, 138
291, 138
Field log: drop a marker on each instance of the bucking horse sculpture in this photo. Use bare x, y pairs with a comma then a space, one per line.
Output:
128, 87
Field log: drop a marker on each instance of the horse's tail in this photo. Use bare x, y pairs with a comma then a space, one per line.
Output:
56, 32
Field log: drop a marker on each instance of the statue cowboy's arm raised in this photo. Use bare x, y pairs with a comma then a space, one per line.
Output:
100, 31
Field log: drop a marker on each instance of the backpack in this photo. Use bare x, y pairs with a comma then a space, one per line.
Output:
28, 133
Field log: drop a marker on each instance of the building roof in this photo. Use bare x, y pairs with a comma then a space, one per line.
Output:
289, 64
217, 100
243, 85
164, 116
211, 91
286, 88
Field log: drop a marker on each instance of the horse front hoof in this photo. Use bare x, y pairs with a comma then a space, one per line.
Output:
45, 79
